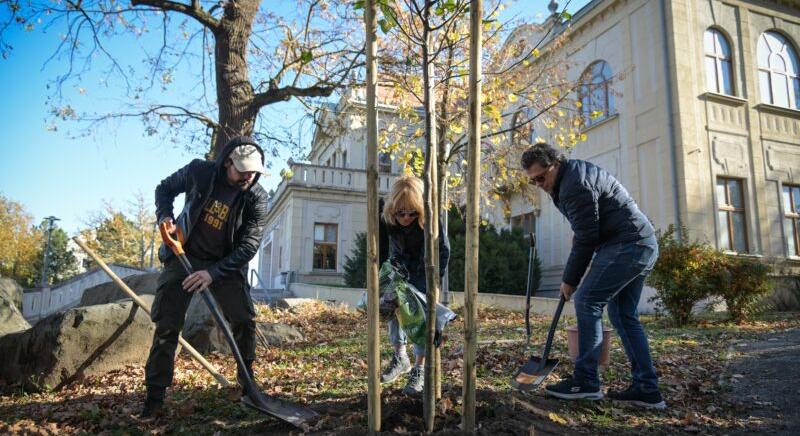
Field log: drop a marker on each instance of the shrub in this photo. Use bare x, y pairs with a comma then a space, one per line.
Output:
502, 258
355, 265
685, 273
745, 282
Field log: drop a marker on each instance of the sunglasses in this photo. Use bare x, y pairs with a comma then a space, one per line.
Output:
406, 213
541, 177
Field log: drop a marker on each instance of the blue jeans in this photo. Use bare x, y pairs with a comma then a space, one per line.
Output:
616, 278
397, 337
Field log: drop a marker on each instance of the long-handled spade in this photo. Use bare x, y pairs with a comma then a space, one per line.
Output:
536, 369
289, 412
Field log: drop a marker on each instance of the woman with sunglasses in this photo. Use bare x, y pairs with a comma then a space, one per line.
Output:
402, 239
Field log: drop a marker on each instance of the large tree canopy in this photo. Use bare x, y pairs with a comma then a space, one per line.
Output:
240, 56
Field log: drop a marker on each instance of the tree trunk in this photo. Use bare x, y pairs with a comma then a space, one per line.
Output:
373, 292
237, 116
473, 219
442, 123
431, 221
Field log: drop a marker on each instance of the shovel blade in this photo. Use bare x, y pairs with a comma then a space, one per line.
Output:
294, 414
533, 373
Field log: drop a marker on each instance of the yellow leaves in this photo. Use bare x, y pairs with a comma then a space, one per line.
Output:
286, 173
493, 114
557, 418
578, 104
595, 114
512, 98
539, 139
560, 113
536, 53
584, 137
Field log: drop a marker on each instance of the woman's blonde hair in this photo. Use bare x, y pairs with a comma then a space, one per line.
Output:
406, 195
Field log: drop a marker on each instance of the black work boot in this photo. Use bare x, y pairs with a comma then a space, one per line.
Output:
239, 378
399, 365
153, 403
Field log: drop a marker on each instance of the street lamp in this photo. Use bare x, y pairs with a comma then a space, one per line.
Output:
51, 220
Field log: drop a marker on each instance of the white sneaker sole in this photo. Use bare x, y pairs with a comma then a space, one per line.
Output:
579, 396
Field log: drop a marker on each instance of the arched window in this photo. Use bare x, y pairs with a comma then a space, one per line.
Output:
778, 71
719, 69
597, 101
522, 125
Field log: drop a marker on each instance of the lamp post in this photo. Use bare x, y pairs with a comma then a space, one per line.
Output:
51, 220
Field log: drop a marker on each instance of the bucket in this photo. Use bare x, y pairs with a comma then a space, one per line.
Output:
572, 345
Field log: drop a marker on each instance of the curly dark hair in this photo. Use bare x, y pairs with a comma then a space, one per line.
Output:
542, 153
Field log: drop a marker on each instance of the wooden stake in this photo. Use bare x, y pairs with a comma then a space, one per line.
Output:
373, 291
473, 218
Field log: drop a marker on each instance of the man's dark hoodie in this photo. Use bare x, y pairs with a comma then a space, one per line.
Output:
245, 225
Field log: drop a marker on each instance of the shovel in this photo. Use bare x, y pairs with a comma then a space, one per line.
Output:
292, 413
536, 369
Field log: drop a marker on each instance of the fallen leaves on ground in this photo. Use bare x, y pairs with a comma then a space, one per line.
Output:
328, 372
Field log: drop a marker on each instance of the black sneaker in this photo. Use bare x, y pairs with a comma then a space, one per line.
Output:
652, 400
567, 389
398, 366
416, 381
152, 409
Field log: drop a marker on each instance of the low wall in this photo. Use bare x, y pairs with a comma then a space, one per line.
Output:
351, 296
40, 302
333, 294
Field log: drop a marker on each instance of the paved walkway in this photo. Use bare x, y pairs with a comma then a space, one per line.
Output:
767, 394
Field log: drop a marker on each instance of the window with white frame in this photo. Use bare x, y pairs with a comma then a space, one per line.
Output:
731, 215
719, 69
791, 218
597, 100
326, 237
778, 70
384, 162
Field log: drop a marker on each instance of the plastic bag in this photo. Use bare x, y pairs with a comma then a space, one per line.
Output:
411, 309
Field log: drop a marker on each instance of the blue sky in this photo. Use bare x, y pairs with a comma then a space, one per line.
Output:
52, 174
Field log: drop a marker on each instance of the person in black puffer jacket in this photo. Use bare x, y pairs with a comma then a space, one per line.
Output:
616, 238
401, 239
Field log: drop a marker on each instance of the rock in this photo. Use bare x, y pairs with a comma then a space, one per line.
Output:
11, 319
279, 334
200, 330
12, 291
289, 303
141, 284
83, 341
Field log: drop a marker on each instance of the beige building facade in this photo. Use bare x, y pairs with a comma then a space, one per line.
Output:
320, 205
700, 120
